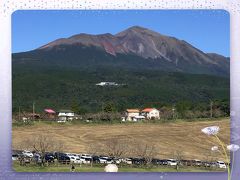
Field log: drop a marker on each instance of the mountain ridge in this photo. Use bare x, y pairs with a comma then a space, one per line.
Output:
144, 44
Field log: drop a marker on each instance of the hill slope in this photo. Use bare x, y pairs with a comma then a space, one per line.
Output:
62, 87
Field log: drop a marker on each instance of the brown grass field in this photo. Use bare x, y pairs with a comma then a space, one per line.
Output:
168, 138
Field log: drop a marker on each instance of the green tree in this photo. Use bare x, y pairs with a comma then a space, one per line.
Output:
109, 107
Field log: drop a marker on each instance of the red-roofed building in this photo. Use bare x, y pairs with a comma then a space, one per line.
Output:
50, 113
151, 113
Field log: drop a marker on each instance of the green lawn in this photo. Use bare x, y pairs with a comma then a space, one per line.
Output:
98, 168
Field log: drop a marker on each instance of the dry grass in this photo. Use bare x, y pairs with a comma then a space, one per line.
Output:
185, 137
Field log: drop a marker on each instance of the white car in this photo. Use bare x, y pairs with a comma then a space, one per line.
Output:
85, 160
75, 160
221, 164
117, 161
110, 161
103, 160
14, 157
197, 162
27, 153
172, 162
127, 161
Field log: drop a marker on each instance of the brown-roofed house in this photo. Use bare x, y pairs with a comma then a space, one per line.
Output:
131, 114
151, 113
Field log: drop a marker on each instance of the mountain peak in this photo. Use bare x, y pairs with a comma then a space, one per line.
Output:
144, 43
137, 28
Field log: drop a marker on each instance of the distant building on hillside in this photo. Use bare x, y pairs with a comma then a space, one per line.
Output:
132, 115
136, 114
151, 113
66, 115
50, 113
107, 84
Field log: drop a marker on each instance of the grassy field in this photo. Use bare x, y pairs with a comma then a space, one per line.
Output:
185, 137
88, 168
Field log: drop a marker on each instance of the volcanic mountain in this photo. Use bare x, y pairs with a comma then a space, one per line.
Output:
136, 47
153, 67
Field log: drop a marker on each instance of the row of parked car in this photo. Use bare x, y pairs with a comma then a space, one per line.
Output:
73, 158
198, 163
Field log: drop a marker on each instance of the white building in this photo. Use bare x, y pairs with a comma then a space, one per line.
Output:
133, 115
65, 115
151, 113
107, 84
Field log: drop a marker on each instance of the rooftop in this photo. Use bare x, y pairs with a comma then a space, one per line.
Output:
148, 109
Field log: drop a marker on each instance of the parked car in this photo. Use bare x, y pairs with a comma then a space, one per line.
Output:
15, 157
27, 153
49, 157
85, 160
172, 162
88, 160
157, 162
103, 160
117, 160
110, 161
138, 161
95, 159
128, 160
214, 164
221, 164
164, 162
64, 159
75, 160
197, 162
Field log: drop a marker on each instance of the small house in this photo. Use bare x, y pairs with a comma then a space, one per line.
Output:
131, 114
66, 115
50, 113
151, 113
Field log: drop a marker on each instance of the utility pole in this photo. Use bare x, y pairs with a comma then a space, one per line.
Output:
33, 109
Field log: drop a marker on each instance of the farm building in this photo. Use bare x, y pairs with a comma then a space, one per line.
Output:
151, 113
136, 114
66, 115
49, 113
132, 115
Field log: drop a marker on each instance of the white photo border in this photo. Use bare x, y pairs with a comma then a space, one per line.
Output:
7, 7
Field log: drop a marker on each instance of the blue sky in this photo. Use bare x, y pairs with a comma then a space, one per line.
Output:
206, 30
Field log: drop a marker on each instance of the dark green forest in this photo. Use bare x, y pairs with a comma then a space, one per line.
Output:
59, 88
